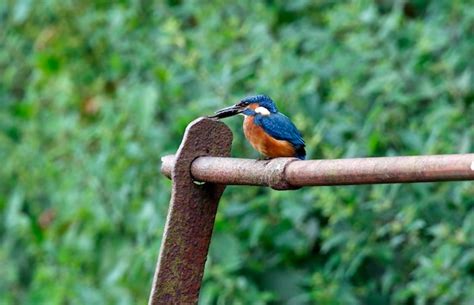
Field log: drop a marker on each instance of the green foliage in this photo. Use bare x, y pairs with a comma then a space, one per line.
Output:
93, 93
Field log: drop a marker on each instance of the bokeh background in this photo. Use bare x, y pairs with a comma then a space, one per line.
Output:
92, 93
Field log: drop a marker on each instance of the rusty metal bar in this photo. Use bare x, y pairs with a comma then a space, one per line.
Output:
287, 173
193, 206
190, 218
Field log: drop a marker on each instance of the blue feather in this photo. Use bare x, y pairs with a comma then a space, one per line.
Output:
280, 127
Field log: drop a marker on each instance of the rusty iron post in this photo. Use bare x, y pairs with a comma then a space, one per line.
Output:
288, 173
191, 215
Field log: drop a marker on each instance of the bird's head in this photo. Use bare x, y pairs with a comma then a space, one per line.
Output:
251, 105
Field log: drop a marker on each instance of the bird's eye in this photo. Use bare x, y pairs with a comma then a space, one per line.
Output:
243, 103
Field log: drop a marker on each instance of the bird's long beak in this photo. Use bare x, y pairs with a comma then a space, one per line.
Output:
227, 112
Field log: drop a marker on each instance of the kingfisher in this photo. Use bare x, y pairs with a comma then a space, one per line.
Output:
270, 132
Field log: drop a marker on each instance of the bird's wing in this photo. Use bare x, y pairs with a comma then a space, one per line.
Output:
280, 127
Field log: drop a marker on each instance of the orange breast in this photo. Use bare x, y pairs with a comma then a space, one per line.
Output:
264, 143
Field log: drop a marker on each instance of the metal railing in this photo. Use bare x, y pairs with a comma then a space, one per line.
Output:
204, 157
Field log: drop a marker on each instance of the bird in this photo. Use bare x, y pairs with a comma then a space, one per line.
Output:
269, 131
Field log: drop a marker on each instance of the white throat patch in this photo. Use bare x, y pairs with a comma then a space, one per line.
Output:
262, 110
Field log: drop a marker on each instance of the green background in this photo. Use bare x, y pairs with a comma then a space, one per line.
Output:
93, 93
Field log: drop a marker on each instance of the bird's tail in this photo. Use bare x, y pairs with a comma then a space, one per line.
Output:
300, 152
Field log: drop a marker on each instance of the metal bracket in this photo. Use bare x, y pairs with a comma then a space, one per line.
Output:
191, 215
